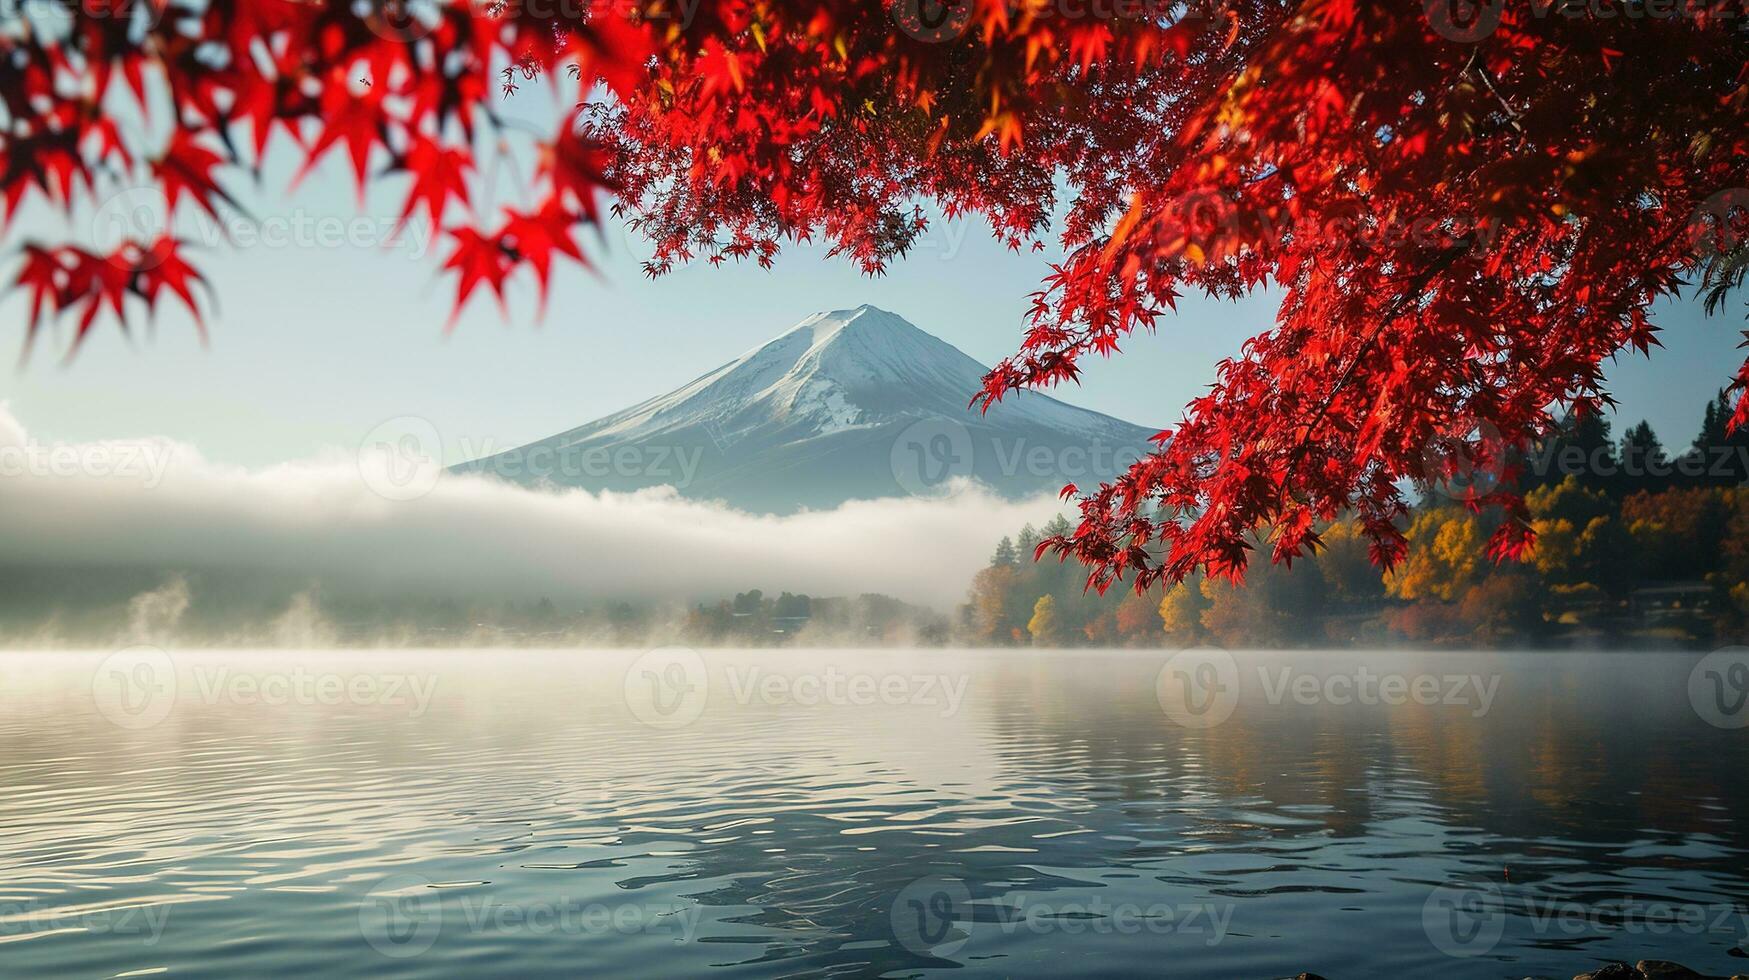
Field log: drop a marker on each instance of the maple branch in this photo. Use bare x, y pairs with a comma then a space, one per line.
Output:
1512, 116
1425, 277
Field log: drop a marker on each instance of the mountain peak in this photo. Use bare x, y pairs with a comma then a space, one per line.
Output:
826, 412
827, 326
860, 348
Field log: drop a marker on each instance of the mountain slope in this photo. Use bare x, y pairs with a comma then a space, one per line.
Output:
852, 404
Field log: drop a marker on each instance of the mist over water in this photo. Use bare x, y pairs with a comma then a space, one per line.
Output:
815, 812
146, 511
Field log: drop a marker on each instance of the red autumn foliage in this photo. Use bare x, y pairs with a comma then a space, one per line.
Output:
1463, 219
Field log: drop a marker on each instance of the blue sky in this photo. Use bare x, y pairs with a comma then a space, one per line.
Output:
315, 342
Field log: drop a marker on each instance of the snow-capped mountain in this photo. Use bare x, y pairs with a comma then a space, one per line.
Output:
852, 404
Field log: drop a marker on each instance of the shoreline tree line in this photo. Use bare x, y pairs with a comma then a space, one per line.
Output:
1635, 541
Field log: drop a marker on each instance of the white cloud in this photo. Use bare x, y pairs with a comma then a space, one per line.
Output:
159, 504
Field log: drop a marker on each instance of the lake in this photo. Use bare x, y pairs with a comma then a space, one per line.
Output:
819, 813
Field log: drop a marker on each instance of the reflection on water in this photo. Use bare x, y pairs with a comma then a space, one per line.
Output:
822, 813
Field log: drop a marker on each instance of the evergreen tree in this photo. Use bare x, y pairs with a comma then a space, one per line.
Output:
1029, 539
1004, 553
1712, 424
1723, 456
1643, 464
1580, 446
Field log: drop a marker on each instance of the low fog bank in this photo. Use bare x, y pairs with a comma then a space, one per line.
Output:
92, 609
135, 540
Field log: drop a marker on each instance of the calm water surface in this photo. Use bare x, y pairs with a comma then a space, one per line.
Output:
817, 813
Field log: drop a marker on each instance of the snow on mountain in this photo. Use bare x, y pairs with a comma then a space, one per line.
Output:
852, 404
